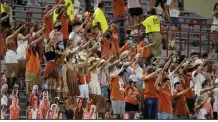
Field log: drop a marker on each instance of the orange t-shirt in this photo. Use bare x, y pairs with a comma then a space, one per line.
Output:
83, 79
106, 47
180, 105
119, 6
150, 91
32, 62
146, 52
190, 93
3, 48
125, 47
14, 112
64, 27
115, 44
49, 25
164, 100
116, 93
130, 99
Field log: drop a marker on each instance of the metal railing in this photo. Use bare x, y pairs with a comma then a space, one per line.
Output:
201, 32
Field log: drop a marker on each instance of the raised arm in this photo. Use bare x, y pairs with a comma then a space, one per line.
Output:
94, 66
180, 65
142, 51
4, 18
49, 13
182, 92
96, 44
35, 41
206, 89
156, 84
151, 75
14, 34
40, 31
117, 73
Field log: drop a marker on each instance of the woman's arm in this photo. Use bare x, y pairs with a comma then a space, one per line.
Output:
4, 18
151, 75
156, 84
94, 66
40, 31
14, 34
35, 41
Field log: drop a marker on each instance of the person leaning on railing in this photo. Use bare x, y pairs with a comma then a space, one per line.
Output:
152, 25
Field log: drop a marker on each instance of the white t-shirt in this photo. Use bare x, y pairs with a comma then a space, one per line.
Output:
174, 13
77, 39
198, 80
11, 57
133, 4
202, 113
174, 78
34, 113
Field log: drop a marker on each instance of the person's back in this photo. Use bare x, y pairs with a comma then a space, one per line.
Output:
152, 24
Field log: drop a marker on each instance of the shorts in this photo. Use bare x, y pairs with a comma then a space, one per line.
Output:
139, 84
59, 68
174, 21
104, 91
118, 106
131, 107
84, 91
31, 80
164, 115
135, 11
51, 82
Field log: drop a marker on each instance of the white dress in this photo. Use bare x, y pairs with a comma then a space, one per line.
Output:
94, 85
22, 45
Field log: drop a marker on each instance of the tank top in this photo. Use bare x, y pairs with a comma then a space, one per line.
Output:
22, 45
50, 55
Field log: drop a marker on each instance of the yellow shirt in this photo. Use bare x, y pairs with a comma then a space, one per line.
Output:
70, 9
152, 24
99, 17
2, 8
55, 16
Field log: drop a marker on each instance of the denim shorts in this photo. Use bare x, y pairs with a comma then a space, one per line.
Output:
104, 91
174, 22
164, 115
180, 117
139, 84
59, 68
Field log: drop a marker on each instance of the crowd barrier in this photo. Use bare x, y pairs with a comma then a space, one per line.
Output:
202, 31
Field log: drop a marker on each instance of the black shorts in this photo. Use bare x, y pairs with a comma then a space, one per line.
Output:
131, 107
135, 11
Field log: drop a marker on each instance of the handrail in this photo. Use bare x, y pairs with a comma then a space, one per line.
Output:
189, 31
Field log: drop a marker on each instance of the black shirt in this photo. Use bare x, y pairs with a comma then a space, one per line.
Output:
69, 114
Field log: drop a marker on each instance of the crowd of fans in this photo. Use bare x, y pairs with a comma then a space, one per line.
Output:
93, 70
